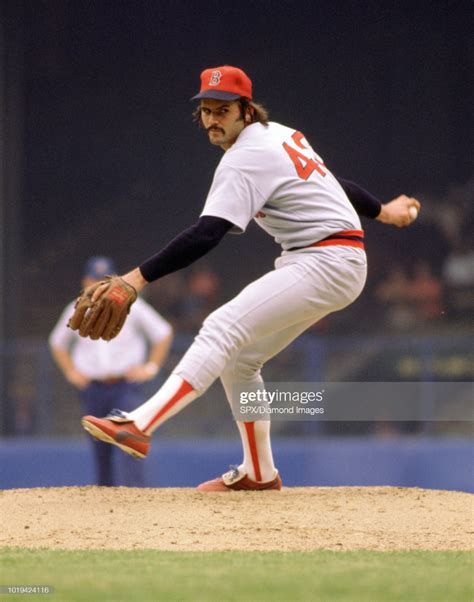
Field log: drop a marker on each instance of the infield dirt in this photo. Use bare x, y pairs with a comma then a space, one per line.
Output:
309, 518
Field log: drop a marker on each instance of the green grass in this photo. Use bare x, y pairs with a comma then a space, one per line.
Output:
317, 576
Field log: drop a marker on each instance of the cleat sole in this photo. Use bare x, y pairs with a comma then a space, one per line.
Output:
99, 434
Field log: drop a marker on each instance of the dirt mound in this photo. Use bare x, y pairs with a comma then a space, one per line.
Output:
299, 518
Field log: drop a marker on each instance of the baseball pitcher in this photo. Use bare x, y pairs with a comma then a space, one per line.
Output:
271, 174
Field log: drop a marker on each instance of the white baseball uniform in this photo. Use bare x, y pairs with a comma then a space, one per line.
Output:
272, 175
257, 178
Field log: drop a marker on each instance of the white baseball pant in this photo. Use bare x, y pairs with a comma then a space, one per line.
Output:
238, 338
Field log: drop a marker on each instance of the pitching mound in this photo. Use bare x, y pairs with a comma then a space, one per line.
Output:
306, 518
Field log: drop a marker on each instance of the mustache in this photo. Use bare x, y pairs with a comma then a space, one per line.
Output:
214, 127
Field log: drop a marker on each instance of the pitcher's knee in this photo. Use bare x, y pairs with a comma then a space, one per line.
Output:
248, 372
219, 331
243, 372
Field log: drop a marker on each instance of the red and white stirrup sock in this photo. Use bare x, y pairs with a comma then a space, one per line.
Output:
177, 393
258, 458
171, 398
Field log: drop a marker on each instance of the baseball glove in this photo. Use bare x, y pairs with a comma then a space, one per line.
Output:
104, 317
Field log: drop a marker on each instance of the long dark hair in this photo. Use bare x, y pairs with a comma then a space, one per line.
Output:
258, 113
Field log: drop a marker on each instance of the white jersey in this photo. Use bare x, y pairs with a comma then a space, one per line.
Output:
271, 174
104, 359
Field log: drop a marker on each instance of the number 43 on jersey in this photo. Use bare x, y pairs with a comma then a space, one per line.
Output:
304, 165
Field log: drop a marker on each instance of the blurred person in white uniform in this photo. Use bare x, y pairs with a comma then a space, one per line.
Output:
110, 374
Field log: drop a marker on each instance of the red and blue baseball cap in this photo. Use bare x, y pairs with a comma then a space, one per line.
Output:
224, 83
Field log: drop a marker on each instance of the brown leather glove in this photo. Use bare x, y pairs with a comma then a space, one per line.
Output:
105, 317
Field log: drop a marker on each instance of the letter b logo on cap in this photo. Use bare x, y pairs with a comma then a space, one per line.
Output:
215, 78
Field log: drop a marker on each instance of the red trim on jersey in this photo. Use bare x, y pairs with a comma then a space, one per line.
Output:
250, 429
184, 389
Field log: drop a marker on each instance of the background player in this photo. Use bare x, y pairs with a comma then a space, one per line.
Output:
269, 173
110, 374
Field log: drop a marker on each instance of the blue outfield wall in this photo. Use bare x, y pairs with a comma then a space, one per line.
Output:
436, 463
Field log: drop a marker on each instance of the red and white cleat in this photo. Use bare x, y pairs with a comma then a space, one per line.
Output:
236, 481
120, 431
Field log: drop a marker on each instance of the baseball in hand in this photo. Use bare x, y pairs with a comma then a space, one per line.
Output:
413, 211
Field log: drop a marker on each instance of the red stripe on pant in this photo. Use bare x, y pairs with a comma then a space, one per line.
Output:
184, 389
250, 430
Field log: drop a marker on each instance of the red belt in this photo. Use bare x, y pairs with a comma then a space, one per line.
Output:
347, 238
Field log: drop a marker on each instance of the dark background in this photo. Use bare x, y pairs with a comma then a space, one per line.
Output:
108, 160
